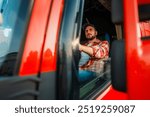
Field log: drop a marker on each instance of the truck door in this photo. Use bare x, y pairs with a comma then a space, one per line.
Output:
28, 58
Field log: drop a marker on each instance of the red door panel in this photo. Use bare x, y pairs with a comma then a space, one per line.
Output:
35, 38
50, 47
112, 94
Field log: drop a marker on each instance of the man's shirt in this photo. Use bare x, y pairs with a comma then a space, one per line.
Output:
100, 53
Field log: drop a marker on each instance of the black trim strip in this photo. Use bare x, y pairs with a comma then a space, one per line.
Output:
98, 91
145, 38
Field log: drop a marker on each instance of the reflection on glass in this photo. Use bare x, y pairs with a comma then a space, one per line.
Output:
14, 15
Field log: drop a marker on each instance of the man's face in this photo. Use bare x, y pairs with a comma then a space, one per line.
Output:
90, 32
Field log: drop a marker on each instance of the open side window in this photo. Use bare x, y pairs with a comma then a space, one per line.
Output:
76, 14
95, 13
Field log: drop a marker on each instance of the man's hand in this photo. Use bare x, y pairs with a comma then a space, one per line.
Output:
80, 47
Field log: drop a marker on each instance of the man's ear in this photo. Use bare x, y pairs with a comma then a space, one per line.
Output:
96, 33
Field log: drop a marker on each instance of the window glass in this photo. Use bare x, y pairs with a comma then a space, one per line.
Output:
145, 28
94, 69
14, 16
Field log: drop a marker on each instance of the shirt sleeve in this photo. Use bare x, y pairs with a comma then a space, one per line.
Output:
101, 50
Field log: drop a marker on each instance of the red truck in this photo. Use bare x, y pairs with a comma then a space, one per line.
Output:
39, 54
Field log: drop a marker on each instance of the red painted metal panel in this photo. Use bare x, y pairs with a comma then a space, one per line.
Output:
35, 37
143, 1
137, 54
133, 48
112, 94
51, 42
144, 73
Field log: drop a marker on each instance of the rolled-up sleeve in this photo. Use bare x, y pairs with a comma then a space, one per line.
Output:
101, 50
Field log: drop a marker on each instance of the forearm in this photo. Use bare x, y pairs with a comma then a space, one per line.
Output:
97, 51
86, 49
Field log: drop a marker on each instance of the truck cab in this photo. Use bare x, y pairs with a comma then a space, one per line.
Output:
39, 41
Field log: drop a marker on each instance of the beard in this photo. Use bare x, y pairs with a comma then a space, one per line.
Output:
91, 38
